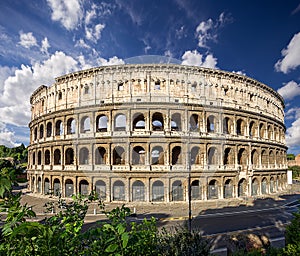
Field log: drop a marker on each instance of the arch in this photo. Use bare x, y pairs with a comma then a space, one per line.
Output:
138, 191
69, 156
120, 122
227, 125
228, 188
240, 127
252, 129
194, 123
195, 155
33, 183
272, 185
176, 122
228, 156
262, 131
84, 187
69, 188
71, 126
264, 158
157, 122
59, 129
271, 158
212, 156
41, 131
196, 190
177, 191
264, 186
254, 158
33, 158
138, 121
84, 156
101, 123
56, 187
118, 191
46, 186
138, 155
57, 157
242, 187
39, 162
49, 129
118, 155
35, 133
158, 193
242, 157
270, 132
100, 155
100, 188
211, 124
213, 190
85, 124
254, 187
157, 155
176, 155
47, 157
39, 185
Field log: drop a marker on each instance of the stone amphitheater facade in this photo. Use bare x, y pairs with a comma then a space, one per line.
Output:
142, 132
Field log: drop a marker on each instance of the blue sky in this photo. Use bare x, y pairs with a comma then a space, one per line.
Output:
42, 39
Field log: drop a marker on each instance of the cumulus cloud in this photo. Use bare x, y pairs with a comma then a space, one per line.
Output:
291, 56
207, 30
111, 61
17, 88
290, 90
68, 13
27, 40
45, 46
195, 58
94, 33
293, 132
7, 137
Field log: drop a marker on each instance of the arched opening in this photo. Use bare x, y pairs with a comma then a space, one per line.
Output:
69, 156
33, 158
100, 188
49, 130
71, 126
101, 123
194, 123
33, 183
84, 156
59, 129
118, 191
69, 188
228, 156
270, 132
176, 155
157, 155
120, 122
264, 186
254, 190
85, 124
138, 191
264, 158
138, 121
212, 190
252, 131
39, 185
211, 124
176, 122
195, 155
262, 131
212, 156
158, 194
56, 187
242, 157
254, 158
242, 188
228, 188
41, 131
118, 156
196, 190
240, 127
271, 158
84, 187
138, 155
272, 185
47, 157
39, 157
177, 191
35, 133
57, 157
46, 186
157, 122
227, 125
100, 155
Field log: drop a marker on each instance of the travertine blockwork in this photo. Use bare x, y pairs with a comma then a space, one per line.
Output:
136, 133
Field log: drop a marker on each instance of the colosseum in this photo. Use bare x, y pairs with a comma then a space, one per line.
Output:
154, 132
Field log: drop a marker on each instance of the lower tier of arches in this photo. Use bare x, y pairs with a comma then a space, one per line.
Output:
157, 189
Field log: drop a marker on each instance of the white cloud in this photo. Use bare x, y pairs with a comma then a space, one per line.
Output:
90, 15
296, 10
69, 12
7, 137
207, 30
112, 61
181, 32
81, 43
290, 90
17, 88
27, 40
45, 46
291, 56
194, 58
94, 34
